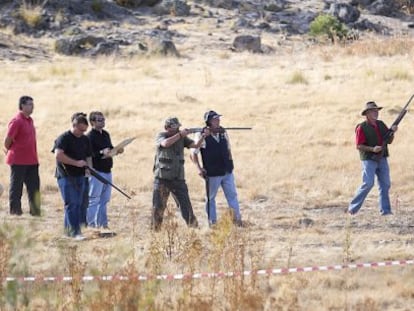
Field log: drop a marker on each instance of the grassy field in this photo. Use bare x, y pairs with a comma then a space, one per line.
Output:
296, 172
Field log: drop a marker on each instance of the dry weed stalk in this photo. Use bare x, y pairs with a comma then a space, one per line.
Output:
170, 228
189, 257
347, 258
5, 253
229, 253
127, 294
76, 270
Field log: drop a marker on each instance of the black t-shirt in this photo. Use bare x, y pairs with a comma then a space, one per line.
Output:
77, 148
100, 141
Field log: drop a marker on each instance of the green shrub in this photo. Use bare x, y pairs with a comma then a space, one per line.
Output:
96, 6
328, 25
128, 3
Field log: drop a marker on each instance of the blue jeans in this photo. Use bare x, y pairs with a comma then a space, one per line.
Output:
72, 190
99, 196
229, 189
370, 168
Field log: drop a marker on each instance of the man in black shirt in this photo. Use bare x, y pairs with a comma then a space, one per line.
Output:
99, 193
73, 153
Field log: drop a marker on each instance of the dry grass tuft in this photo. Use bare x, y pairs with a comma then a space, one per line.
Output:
31, 12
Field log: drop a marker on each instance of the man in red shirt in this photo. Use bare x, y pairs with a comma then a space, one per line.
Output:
20, 143
369, 142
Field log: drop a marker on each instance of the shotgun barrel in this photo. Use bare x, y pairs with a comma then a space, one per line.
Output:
390, 133
105, 181
221, 129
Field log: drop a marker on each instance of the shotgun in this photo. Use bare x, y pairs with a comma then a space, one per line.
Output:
219, 130
105, 181
390, 133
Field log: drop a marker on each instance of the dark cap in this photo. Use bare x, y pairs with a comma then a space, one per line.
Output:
172, 122
370, 106
211, 115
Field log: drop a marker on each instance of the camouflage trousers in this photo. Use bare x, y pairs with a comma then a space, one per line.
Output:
179, 191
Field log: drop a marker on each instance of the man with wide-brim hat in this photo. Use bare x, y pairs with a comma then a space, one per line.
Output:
373, 153
370, 106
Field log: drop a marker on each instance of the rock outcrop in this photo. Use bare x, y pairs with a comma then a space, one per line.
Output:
102, 27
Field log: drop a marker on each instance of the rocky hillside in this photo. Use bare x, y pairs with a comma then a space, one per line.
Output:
131, 27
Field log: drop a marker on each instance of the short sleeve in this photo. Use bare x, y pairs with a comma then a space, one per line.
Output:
13, 128
360, 138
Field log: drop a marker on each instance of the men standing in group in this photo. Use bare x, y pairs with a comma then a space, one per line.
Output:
217, 168
73, 154
169, 172
99, 193
369, 142
20, 144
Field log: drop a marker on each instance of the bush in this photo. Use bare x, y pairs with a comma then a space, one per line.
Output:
328, 25
96, 6
30, 12
128, 3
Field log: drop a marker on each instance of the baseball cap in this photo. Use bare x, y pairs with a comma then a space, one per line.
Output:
211, 114
172, 122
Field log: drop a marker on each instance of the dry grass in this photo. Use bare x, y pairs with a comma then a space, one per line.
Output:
298, 163
31, 11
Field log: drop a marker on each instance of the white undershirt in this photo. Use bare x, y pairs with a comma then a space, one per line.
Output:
203, 144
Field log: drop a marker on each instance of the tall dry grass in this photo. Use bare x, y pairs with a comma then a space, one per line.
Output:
295, 171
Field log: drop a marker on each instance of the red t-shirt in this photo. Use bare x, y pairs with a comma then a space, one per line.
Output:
360, 135
23, 150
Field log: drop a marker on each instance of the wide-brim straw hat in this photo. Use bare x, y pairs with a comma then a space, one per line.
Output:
370, 106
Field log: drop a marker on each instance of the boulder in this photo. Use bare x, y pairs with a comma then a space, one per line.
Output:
344, 12
383, 7
247, 43
163, 47
85, 45
173, 7
224, 4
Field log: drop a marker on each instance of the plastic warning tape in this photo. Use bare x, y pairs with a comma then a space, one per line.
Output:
211, 275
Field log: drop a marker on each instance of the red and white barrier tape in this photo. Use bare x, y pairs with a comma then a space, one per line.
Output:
188, 276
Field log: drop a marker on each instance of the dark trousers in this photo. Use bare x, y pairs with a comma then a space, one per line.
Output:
179, 191
28, 175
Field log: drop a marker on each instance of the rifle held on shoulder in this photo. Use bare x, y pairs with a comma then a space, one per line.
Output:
390, 133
